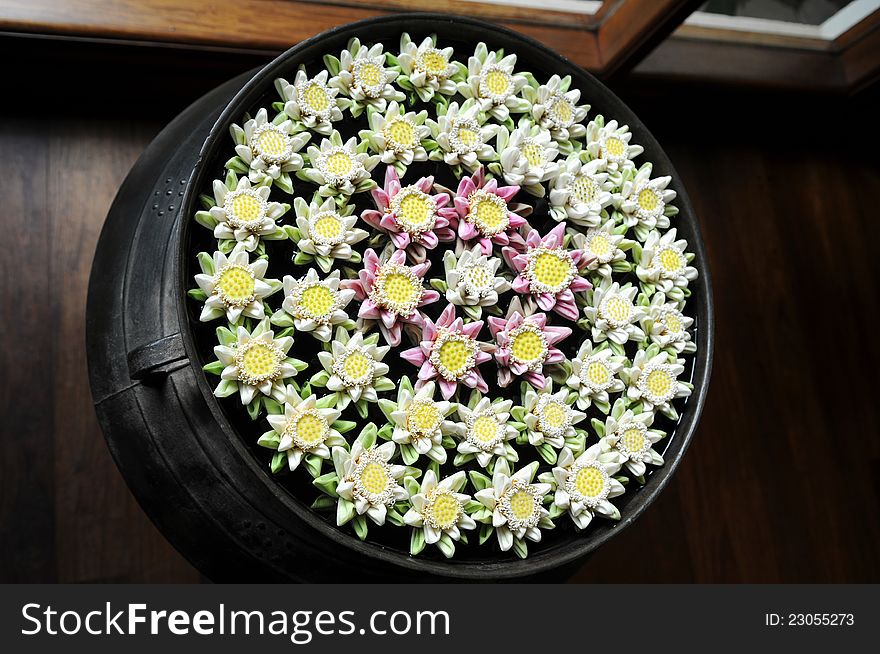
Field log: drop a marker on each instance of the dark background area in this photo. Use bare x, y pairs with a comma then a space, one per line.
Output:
782, 480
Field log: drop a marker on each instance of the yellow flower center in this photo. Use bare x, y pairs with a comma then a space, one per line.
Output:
552, 269
599, 245
339, 164
357, 367
310, 430
453, 356
400, 289
527, 347
670, 260
479, 277
648, 200
444, 510
555, 415
401, 134
416, 210
497, 82
658, 383
584, 189
370, 74
562, 110
614, 147
433, 63
489, 216
423, 418
617, 309
317, 301
270, 142
589, 482
673, 323
485, 429
316, 98
597, 373
260, 362
374, 478
522, 504
468, 136
246, 208
632, 439
236, 285
533, 153
328, 227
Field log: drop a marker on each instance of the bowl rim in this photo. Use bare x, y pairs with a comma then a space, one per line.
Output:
576, 546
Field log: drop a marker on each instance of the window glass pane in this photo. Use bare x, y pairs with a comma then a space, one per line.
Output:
806, 12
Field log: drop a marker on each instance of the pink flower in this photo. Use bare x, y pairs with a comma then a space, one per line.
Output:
449, 350
415, 220
549, 272
482, 213
525, 344
391, 294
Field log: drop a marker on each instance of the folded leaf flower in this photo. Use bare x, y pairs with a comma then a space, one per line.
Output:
255, 362
425, 68
667, 326
341, 169
419, 421
267, 151
415, 218
234, 286
485, 430
527, 157
449, 351
368, 480
555, 107
653, 380
592, 375
585, 484
612, 314
310, 102
549, 418
391, 294
361, 75
397, 136
524, 344
611, 142
484, 214
472, 281
243, 213
629, 435
316, 305
644, 202
324, 233
493, 84
581, 192
665, 264
549, 272
518, 513
462, 141
438, 511
603, 246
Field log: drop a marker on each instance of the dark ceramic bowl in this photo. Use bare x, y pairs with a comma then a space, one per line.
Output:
192, 463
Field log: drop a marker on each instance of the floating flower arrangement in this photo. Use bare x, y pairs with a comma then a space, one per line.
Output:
447, 296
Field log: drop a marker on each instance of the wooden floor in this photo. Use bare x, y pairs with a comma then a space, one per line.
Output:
782, 481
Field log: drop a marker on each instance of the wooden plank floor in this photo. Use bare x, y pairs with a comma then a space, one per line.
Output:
782, 481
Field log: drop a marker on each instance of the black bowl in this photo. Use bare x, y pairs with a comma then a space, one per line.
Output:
184, 457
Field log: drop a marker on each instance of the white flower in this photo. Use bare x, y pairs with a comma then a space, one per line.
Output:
397, 136
594, 375
665, 264
363, 77
426, 68
243, 213
602, 246
555, 107
581, 192
653, 379
316, 305
493, 84
517, 506
303, 429
644, 201
462, 140
611, 142
666, 325
584, 484
311, 102
472, 280
324, 233
420, 421
269, 151
548, 416
256, 362
339, 168
367, 480
528, 157
353, 369
234, 286
438, 509
612, 313
628, 435
485, 430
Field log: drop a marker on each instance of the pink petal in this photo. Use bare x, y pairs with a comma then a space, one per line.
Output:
414, 355
447, 388
466, 231
388, 317
546, 301
425, 184
447, 317
401, 240
392, 335
369, 310
398, 257
472, 328
521, 285
536, 379
380, 197
507, 192
504, 377
427, 371
429, 296
429, 240
554, 236
579, 284
567, 310
496, 325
